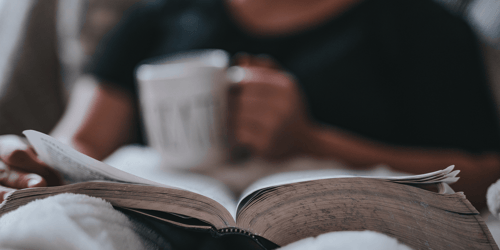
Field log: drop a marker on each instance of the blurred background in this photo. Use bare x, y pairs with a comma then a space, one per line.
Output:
44, 45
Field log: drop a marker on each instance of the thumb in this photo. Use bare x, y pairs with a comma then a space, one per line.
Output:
26, 161
20, 157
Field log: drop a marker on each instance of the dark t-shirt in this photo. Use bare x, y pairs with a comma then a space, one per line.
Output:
401, 72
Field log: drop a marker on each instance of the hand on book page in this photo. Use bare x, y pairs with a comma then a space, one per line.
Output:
20, 157
77, 167
20, 167
197, 183
73, 165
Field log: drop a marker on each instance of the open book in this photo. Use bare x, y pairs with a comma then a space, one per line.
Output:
278, 209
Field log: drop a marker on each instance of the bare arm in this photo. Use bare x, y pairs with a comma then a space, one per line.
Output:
108, 124
275, 126
102, 126
478, 172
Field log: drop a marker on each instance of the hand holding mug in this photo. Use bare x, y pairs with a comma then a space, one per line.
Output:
267, 111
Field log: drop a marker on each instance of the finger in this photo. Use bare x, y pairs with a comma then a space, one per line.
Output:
5, 192
250, 124
261, 126
249, 140
261, 117
256, 144
265, 99
279, 88
27, 161
242, 59
18, 180
275, 108
254, 133
259, 90
253, 104
266, 113
269, 78
272, 77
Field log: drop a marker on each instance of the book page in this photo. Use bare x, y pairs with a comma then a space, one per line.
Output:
441, 176
286, 213
75, 166
195, 183
78, 167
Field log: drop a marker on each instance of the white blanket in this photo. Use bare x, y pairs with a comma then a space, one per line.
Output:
70, 221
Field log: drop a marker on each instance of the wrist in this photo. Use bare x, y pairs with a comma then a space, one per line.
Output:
309, 142
323, 142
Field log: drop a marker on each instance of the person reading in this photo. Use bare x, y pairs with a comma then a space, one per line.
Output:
361, 82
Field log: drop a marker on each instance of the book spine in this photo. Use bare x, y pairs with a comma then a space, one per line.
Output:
235, 230
262, 242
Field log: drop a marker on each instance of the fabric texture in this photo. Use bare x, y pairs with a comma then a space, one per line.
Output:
72, 221
493, 199
348, 240
406, 73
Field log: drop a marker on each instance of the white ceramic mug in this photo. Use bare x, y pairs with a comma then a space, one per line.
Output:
184, 104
